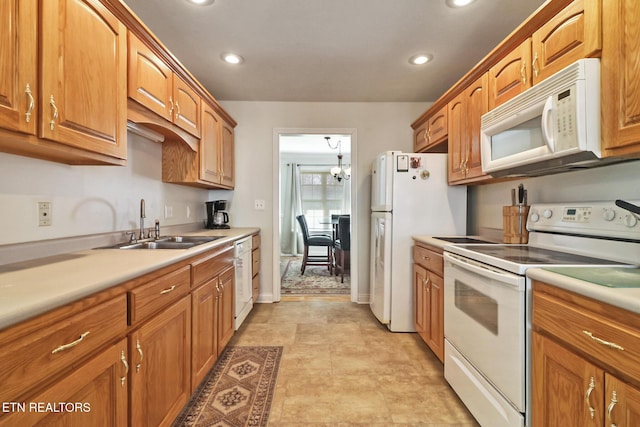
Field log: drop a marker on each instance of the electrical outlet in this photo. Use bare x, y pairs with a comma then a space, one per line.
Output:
44, 214
168, 211
258, 205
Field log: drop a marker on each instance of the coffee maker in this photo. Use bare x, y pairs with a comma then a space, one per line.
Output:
216, 215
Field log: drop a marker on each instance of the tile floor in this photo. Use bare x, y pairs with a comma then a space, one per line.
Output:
340, 367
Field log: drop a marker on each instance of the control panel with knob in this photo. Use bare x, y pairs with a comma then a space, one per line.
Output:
609, 214
587, 218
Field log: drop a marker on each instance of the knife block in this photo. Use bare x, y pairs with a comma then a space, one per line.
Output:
514, 224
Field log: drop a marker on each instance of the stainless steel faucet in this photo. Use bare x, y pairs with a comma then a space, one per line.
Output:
142, 217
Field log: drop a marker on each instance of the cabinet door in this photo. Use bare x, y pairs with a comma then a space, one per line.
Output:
435, 315
620, 71
457, 139
204, 331
572, 34
227, 156
567, 390
210, 146
150, 80
18, 85
511, 76
438, 127
477, 104
226, 309
419, 294
98, 390
622, 403
421, 138
161, 366
83, 75
186, 108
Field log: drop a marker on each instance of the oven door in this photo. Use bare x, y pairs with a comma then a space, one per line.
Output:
484, 319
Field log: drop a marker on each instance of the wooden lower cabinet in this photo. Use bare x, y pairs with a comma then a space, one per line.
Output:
160, 366
585, 361
95, 394
212, 323
226, 306
428, 285
255, 267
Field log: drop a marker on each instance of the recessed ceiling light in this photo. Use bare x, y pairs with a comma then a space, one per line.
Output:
232, 58
421, 58
459, 3
201, 2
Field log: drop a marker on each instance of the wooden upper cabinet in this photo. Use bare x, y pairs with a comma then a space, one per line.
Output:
150, 80
210, 146
457, 141
465, 111
432, 133
574, 33
477, 102
511, 76
620, 71
18, 68
228, 156
156, 87
186, 107
83, 100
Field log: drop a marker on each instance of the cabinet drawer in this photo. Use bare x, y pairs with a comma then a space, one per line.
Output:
255, 241
255, 286
34, 358
612, 343
149, 298
429, 259
204, 269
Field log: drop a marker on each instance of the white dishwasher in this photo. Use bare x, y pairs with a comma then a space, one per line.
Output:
242, 261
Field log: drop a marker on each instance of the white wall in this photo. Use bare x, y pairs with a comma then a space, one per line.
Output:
380, 127
91, 199
619, 181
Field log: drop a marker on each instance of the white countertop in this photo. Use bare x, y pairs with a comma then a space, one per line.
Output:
28, 289
626, 298
438, 243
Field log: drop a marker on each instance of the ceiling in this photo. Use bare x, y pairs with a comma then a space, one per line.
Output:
330, 50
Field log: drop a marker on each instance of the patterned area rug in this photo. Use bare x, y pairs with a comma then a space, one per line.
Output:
316, 279
238, 390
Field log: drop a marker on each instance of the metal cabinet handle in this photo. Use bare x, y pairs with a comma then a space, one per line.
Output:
139, 348
177, 110
123, 359
533, 64
54, 109
587, 397
523, 73
614, 401
171, 107
27, 115
425, 135
603, 342
166, 291
71, 344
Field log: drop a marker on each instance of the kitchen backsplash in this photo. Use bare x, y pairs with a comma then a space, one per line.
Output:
91, 199
602, 183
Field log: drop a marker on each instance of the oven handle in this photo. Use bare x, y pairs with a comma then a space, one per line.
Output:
483, 270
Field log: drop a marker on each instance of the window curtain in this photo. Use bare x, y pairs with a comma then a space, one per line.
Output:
291, 242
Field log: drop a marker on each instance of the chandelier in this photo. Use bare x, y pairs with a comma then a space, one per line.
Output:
338, 172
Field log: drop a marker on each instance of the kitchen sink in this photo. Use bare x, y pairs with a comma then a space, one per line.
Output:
166, 242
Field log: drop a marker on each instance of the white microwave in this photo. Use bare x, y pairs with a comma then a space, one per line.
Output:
551, 127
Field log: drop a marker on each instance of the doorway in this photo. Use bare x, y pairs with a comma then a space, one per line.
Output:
306, 157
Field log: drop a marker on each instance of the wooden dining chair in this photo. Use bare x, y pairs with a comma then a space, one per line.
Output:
343, 246
320, 240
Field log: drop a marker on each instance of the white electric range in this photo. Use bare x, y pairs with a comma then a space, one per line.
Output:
488, 306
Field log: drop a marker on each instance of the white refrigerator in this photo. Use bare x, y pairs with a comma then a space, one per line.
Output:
409, 196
